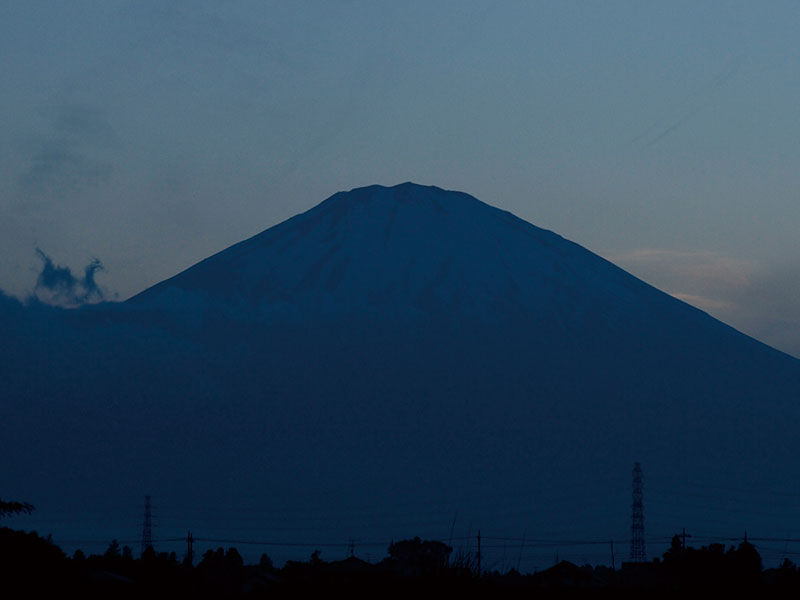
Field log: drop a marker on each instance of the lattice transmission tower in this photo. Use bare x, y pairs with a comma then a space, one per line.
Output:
638, 553
147, 525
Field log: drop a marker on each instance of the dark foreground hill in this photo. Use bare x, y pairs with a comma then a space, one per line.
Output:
393, 362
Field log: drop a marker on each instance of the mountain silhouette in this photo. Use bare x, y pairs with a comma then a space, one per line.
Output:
388, 359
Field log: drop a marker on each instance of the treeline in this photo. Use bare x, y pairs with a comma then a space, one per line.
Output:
33, 565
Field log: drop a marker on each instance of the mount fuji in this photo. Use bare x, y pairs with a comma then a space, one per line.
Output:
397, 361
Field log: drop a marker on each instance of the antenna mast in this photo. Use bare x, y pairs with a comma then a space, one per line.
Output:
638, 553
147, 527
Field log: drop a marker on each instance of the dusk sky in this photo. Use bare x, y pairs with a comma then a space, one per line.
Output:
663, 136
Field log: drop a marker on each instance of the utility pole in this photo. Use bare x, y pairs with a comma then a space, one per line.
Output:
189, 560
479, 552
147, 526
613, 566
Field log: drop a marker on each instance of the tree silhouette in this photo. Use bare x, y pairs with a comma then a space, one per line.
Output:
418, 557
10, 508
113, 549
265, 562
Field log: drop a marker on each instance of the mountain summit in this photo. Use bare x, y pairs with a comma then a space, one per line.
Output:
407, 249
385, 360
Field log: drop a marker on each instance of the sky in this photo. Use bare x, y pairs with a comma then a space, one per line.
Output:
660, 135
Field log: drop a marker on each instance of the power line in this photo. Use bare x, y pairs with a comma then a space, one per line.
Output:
532, 543
345, 544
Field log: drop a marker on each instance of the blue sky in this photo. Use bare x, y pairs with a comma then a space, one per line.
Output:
662, 136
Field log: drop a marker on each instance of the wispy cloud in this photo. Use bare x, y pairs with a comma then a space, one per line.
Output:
693, 268
57, 284
69, 156
762, 302
708, 304
769, 308
694, 103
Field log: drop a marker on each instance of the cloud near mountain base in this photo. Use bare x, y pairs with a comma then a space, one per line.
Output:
57, 285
